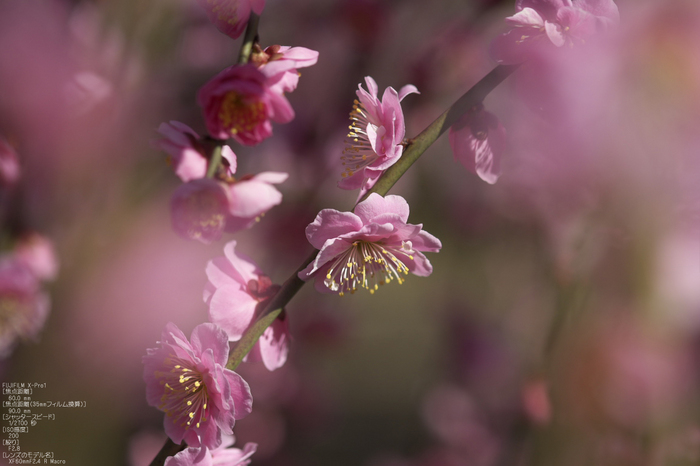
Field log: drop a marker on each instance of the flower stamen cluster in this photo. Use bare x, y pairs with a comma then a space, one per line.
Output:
367, 265
358, 152
185, 396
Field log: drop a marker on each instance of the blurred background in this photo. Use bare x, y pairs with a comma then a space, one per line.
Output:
561, 324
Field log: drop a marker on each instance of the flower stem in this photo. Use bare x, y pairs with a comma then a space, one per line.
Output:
419, 145
250, 38
214, 162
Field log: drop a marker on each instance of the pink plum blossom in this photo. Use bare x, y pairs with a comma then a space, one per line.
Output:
9, 164
188, 381
235, 292
279, 63
199, 210
239, 103
376, 135
368, 247
220, 456
542, 23
23, 307
231, 16
478, 139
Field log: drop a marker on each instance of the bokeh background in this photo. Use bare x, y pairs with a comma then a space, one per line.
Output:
561, 324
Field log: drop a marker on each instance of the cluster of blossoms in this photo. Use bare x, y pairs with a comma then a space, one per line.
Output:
239, 103
371, 246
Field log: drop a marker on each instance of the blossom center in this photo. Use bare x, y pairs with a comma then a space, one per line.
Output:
239, 114
358, 152
368, 265
185, 396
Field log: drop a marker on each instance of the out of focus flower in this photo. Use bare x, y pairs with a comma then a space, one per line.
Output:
199, 209
367, 248
235, 291
9, 164
478, 139
250, 197
279, 63
376, 135
222, 455
231, 16
182, 144
189, 382
23, 307
239, 103
37, 254
539, 23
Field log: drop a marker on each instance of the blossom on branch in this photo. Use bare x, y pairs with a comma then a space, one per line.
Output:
222, 455
279, 63
231, 16
240, 103
188, 381
538, 24
478, 140
236, 292
367, 248
376, 135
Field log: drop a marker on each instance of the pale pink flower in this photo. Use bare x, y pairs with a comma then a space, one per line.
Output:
376, 135
23, 307
367, 248
37, 254
239, 103
199, 210
478, 140
231, 16
220, 456
250, 197
279, 63
188, 381
235, 292
542, 23
9, 164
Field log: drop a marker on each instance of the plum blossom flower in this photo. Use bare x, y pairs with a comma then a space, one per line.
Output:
188, 381
279, 63
203, 209
539, 23
199, 210
231, 16
367, 248
376, 135
23, 307
236, 290
221, 456
239, 103
478, 139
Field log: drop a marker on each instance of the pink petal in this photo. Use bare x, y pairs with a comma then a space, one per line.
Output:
274, 344
330, 223
233, 310
375, 205
250, 198
240, 391
407, 89
209, 336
